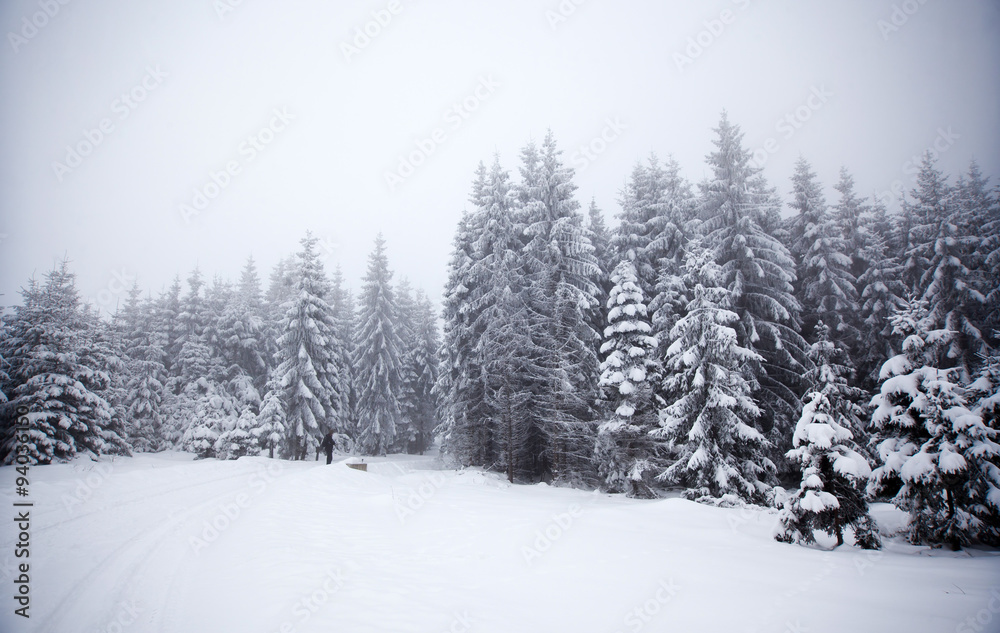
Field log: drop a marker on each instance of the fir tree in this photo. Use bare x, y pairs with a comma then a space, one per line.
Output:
378, 357
459, 386
146, 376
241, 440
922, 214
834, 475
882, 293
625, 452
758, 272
424, 362
307, 372
51, 377
826, 285
271, 421
939, 453
343, 353
562, 277
718, 453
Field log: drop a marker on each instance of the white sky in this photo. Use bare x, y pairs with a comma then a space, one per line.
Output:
117, 213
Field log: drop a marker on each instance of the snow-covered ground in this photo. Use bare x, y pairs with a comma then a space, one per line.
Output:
165, 543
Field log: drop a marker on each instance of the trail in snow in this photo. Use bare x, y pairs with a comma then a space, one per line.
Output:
166, 544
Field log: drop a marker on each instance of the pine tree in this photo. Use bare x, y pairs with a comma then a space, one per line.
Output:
241, 329
343, 352
424, 361
882, 293
985, 392
657, 206
146, 375
826, 285
459, 386
271, 421
406, 431
307, 372
625, 452
511, 369
378, 357
241, 440
758, 272
718, 453
563, 274
920, 222
834, 475
950, 289
940, 454
50, 376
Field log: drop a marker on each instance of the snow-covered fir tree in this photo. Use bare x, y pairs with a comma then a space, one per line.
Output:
758, 271
954, 302
563, 276
342, 303
51, 375
406, 431
270, 430
831, 375
146, 374
424, 362
826, 284
306, 369
717, 452
241, 440
937, 451
627, 456
918, 223
241, 329
377, 357
882, 293
460, 385
657, 206
831, 496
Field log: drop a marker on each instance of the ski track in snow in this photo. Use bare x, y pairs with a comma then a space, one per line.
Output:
461, 553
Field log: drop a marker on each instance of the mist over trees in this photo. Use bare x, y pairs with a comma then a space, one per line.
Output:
715, 340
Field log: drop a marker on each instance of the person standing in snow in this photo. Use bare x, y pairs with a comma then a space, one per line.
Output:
327, 446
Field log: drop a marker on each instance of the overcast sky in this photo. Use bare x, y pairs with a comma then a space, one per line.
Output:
181, 88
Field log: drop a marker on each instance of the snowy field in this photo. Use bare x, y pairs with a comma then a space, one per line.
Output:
164, 543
